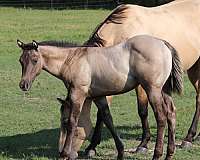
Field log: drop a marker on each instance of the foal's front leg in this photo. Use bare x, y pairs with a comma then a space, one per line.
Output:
77, 98
107, 119
90, 151
96, 137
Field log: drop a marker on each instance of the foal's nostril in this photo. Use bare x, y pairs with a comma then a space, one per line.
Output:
24, 85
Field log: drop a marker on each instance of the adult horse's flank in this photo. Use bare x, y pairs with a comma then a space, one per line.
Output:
178, 23
144, 60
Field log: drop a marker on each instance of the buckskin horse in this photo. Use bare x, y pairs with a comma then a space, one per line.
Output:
145, 60
177, 22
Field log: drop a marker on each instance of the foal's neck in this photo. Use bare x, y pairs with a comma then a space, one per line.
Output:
54, 58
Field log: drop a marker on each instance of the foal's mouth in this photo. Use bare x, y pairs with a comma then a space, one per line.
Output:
25, 85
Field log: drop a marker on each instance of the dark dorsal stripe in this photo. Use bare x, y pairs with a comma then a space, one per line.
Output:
62, 44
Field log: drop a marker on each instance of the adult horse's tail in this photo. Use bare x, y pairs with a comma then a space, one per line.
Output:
175, 81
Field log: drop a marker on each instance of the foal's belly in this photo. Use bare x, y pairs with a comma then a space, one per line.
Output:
112, 85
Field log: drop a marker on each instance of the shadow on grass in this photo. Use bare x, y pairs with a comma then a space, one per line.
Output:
39, 144
45, 142
127, 133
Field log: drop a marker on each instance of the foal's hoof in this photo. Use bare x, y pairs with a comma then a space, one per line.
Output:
141, 150
90, 153
186, 144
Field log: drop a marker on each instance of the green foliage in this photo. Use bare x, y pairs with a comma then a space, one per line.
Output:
29, 122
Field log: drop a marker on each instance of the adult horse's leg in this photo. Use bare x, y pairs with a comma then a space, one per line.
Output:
96, 137
171, 120
160, 112
107, 119
142, 101
194, 76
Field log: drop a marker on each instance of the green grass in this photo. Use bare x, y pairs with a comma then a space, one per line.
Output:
29, 122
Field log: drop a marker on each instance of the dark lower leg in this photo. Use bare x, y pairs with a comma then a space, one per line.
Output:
194, 76
158, 151
193, 128
109, 123
96, 137
107, 119
171, 120
160, 112
142, 101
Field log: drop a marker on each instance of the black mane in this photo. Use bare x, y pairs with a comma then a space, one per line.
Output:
115, 17
62, 44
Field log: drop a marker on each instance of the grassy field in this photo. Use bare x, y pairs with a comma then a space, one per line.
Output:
29, 122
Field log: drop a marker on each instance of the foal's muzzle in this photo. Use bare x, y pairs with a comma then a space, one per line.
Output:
25, 85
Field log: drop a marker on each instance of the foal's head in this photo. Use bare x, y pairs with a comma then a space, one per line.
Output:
64, 111
31, 63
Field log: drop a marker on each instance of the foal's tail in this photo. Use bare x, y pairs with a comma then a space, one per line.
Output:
175, 81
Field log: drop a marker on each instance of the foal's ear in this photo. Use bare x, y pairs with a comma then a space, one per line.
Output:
61, 101
20, 43
35, 45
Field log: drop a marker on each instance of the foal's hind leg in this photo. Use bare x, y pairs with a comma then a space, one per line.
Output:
171, 120
90, 151
142, 101
107, 119
160, 112
194, 76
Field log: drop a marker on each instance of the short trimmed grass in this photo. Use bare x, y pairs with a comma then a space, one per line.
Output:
29, 122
